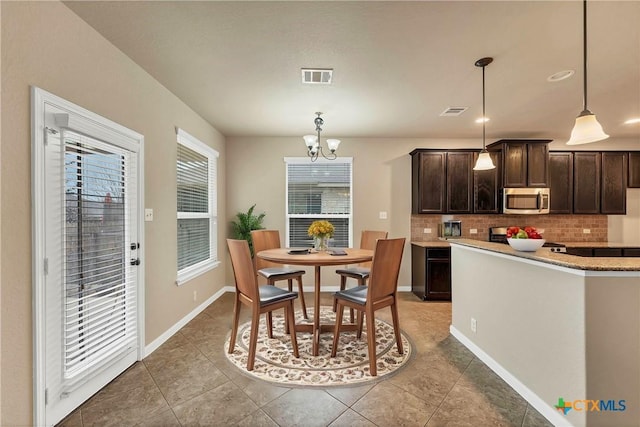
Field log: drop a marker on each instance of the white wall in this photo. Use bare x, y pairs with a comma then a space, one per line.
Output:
46, 45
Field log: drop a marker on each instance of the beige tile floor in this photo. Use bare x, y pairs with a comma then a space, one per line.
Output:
189, 382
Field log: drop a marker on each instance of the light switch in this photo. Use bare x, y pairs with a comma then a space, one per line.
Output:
148, 214
586, 230
473, 231
427, 231
382, 215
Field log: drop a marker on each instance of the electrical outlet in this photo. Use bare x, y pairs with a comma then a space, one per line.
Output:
427, 231
586, 231
382, 215
473, 231
540, 230
148, 214
195, 296
474, 325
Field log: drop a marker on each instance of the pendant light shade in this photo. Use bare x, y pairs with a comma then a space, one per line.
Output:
587, 129
484, 161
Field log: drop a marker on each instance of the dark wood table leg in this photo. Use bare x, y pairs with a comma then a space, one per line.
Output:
316, 315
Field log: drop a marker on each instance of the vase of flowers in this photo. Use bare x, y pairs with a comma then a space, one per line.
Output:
320, 231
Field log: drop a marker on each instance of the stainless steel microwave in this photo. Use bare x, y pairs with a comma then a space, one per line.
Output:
527, 201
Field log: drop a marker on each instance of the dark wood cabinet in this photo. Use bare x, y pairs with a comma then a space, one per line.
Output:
431, 273
442, 181
538, 165
486, 185
561, 182
459, 182
634, 169
586, 182
525, 163
613, 188
428, 169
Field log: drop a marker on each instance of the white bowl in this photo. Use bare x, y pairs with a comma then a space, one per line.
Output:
526, 245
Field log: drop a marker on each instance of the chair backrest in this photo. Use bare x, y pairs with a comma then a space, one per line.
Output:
368, 241
385, 268
263, 240
246, 280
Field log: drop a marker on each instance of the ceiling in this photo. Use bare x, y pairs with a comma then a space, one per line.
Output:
397, 65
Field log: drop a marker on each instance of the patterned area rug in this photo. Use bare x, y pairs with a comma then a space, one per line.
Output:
275, 362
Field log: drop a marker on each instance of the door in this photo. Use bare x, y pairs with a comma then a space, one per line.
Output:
561, 182
586, 182
87, 230
459, 181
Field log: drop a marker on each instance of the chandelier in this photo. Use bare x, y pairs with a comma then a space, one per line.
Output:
313, 143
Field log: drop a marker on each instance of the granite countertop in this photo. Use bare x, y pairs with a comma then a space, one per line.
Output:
599, 245
564, 260
433, 244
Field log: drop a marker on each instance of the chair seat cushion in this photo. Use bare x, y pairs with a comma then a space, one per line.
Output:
357, 294
355, 272
273, 272
272, 294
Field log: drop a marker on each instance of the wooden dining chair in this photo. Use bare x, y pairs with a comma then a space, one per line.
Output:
261, 299
270, 239
360, 272
381, 292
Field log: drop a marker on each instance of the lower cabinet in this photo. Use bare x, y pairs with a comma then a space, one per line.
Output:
431, 272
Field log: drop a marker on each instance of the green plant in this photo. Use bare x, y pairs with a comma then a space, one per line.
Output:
244, 223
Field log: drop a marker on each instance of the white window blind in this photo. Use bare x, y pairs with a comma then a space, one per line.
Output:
197, 206
99, 290
319, 190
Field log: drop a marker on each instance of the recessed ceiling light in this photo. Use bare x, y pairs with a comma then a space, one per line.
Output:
453, 111
482, 119
560, 75
632, 121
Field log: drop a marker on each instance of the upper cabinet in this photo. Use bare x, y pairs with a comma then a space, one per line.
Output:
525, 163
613, 188
586, 182
599, 182
486, 186
442, 181
634, 169
561, 182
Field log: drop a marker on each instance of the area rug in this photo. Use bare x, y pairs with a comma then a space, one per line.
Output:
275, 362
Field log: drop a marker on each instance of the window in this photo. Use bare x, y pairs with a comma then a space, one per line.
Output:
319, 190
197, 207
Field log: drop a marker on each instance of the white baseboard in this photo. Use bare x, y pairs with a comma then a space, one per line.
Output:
534, 400
186, 319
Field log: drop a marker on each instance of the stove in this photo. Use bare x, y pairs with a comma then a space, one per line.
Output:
499, 235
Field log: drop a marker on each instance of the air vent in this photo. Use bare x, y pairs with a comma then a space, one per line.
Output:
453, 111
317, 76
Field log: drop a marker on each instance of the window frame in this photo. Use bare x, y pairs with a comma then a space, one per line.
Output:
306, 161
187, 273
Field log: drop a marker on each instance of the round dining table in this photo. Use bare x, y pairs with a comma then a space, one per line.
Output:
317, 260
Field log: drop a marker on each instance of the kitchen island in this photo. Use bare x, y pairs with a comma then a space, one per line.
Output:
553, 326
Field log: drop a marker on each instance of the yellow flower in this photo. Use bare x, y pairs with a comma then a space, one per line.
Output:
320, 228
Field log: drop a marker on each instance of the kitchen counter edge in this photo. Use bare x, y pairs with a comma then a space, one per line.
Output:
563, 260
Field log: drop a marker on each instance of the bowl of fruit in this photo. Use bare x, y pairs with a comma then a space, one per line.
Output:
525, 239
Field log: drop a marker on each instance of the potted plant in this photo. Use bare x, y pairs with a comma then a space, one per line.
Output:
244, 223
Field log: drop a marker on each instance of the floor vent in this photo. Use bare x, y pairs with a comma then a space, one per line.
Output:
453, 111
317, 76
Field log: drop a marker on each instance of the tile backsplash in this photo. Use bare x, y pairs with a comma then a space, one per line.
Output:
557, 228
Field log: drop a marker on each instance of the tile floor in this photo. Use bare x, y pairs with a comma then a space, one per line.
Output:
189, 382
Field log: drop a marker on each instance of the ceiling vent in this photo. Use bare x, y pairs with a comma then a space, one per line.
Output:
453, 111
317, 76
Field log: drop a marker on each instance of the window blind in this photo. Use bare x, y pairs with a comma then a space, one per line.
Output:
196, 203
318, 191
99, 314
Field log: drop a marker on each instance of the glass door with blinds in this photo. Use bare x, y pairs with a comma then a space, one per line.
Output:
90, 295
319, 190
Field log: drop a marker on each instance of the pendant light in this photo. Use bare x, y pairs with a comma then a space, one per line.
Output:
587, 129
484, 161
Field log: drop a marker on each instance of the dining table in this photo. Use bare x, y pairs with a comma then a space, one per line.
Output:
317, 260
